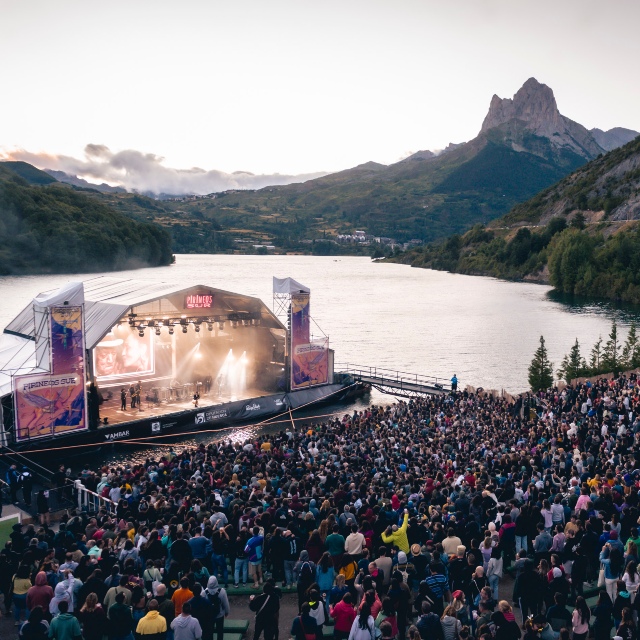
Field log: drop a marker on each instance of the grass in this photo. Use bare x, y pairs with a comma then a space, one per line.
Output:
6, 525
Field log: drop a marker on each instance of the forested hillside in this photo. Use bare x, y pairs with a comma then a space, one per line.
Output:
48, 228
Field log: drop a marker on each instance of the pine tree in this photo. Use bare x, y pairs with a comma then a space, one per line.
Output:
611, 351
573, 365
540, 369
631, 350
595, 363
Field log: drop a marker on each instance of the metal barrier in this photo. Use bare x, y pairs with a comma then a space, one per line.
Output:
91, 502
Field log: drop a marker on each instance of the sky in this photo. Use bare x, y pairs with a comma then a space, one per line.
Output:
151, 92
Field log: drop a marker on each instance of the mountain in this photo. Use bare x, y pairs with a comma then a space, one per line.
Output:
27, 172
48, 227
61, 176
524, 145
582, 234
613, 138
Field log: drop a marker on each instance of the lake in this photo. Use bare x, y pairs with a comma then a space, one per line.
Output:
389, 315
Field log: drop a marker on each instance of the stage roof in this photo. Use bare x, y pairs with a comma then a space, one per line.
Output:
107, 300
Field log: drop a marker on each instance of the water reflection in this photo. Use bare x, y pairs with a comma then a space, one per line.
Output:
621, 312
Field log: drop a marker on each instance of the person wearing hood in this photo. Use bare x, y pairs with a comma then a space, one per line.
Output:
185, 626
153, 626
219, 601
40, 595
62, 593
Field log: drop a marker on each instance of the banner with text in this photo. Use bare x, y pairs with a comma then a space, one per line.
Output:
309, 360
49, 404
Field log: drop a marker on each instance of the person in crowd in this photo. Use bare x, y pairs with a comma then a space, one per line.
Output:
580, 619
267, 608
36, 627
64, 626
20, 586
343, 614
185, 626
305, 626
363, 627
93, 618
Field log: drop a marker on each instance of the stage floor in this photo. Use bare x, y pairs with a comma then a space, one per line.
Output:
111, 410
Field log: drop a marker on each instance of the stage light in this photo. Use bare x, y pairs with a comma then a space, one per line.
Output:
198, 355
197, 328
234, 324
157, 331
221, 325
210, 326
170, 330
246, 323
184, 328
141, 333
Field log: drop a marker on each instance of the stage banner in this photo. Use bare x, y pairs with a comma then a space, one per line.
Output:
49, 404
310, 364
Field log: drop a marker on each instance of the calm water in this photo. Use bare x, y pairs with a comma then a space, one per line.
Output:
385, 315
388, 315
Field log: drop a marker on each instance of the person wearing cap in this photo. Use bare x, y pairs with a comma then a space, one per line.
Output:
420, 562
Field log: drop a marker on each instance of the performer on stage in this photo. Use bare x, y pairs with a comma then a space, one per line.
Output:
123, 399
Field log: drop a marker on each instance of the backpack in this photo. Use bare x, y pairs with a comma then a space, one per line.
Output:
349, 571
617, 561
214, 599
306, 573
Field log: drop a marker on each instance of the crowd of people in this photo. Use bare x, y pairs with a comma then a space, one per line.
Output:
392, 522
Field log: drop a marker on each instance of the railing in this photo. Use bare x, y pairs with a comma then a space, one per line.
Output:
91, 502
391, 376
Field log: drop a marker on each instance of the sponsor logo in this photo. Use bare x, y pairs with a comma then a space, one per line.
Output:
198, 302
278, 402
200, 418
116, 435
155, 427
217, 415
65, 381
253, 407
310, 348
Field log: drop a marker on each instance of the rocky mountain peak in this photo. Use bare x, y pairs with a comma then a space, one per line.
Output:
534, 103
533, 109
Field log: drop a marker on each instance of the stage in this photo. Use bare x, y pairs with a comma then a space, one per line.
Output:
110, 409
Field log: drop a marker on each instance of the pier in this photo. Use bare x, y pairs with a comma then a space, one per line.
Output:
397, 383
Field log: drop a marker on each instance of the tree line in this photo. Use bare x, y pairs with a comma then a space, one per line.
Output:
613, 356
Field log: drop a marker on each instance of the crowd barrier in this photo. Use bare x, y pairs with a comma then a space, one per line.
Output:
91, 502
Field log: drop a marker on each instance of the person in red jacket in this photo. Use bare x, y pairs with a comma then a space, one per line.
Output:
40, 594
344, 614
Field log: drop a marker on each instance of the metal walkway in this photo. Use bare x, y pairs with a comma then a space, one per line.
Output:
396, 383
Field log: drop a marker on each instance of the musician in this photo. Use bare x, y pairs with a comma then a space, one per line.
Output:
138, 394
123, 399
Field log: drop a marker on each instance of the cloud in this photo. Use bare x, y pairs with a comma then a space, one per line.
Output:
146, 172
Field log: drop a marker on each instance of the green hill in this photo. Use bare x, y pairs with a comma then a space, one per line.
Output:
582, 235
48, 227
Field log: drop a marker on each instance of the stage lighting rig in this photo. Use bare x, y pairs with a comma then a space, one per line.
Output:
170, 329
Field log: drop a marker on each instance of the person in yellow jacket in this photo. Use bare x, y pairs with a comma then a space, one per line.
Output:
153, 626
398, 535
